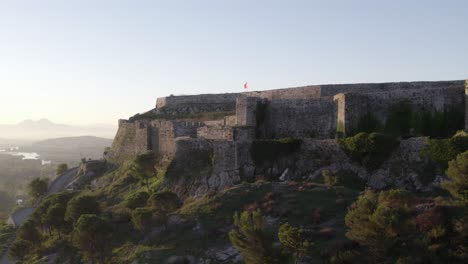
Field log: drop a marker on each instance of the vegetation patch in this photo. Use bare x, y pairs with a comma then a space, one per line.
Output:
403, 120
441, 151
263, 151
369, 149
346, 178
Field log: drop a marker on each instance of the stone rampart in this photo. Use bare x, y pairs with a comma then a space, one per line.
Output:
365, 88
300, 118
230, 120
198, 103
304, 92
246, 109
216, 133
353, 106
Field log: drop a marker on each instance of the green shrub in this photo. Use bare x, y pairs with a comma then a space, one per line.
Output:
441, 151
329, 178
270, 150
253, 240
137, 199
61, 168
165, 201
345, 178
19, 249
80, 205
295, 240
91, 235
382, 226
369, 150
458, 175
141, 218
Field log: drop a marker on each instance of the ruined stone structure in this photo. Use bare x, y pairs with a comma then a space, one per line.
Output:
179, 126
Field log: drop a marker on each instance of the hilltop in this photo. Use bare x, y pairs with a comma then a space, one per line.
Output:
317, 174
30, 130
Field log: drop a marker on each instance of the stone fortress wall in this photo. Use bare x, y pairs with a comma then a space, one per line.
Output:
303, 112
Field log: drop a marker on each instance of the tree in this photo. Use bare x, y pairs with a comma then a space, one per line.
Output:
163, 203
61, 168
42, 214
144, 167
141, 218
137, 199
38, 187
295, 241
458, 174
54, 218
19, 249
80, 205
382, 224
252, 239
28, 231
90, 235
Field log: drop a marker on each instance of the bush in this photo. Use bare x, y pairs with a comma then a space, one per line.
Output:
295, 240
135, 200
345, 178
90, 235
28, 231
19, 249
143, 167
441, 151
165, 201
38, 187
382, 224
458, 177
253, 240
61, 168
81, 205
141, 218
368, 149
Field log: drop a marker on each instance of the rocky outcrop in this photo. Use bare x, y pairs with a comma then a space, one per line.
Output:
201, 166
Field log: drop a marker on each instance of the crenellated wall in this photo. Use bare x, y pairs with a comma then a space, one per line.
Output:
198, 103
365, 88
317, 111
304, 92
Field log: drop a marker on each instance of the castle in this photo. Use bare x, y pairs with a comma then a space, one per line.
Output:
227, 124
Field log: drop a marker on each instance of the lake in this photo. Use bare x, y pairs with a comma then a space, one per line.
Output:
13, 151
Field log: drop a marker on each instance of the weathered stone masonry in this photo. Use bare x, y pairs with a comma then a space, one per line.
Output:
319, 111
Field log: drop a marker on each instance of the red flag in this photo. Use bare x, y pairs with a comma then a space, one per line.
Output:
246, 85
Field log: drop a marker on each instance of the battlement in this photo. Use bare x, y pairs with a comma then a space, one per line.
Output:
316, 111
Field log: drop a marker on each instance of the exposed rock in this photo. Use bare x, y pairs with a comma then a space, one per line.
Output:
182, 260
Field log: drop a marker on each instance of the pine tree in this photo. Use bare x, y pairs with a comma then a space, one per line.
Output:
252, 239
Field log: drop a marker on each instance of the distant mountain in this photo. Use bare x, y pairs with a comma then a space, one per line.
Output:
45, 129
74, 142
69, 149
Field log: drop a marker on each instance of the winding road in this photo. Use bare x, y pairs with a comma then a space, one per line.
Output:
23, 214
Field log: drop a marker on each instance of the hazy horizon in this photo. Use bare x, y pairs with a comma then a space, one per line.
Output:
88, 62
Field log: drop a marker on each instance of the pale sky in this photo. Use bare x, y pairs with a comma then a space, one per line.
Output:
95, 61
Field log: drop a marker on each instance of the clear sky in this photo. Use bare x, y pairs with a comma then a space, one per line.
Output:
94, 61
